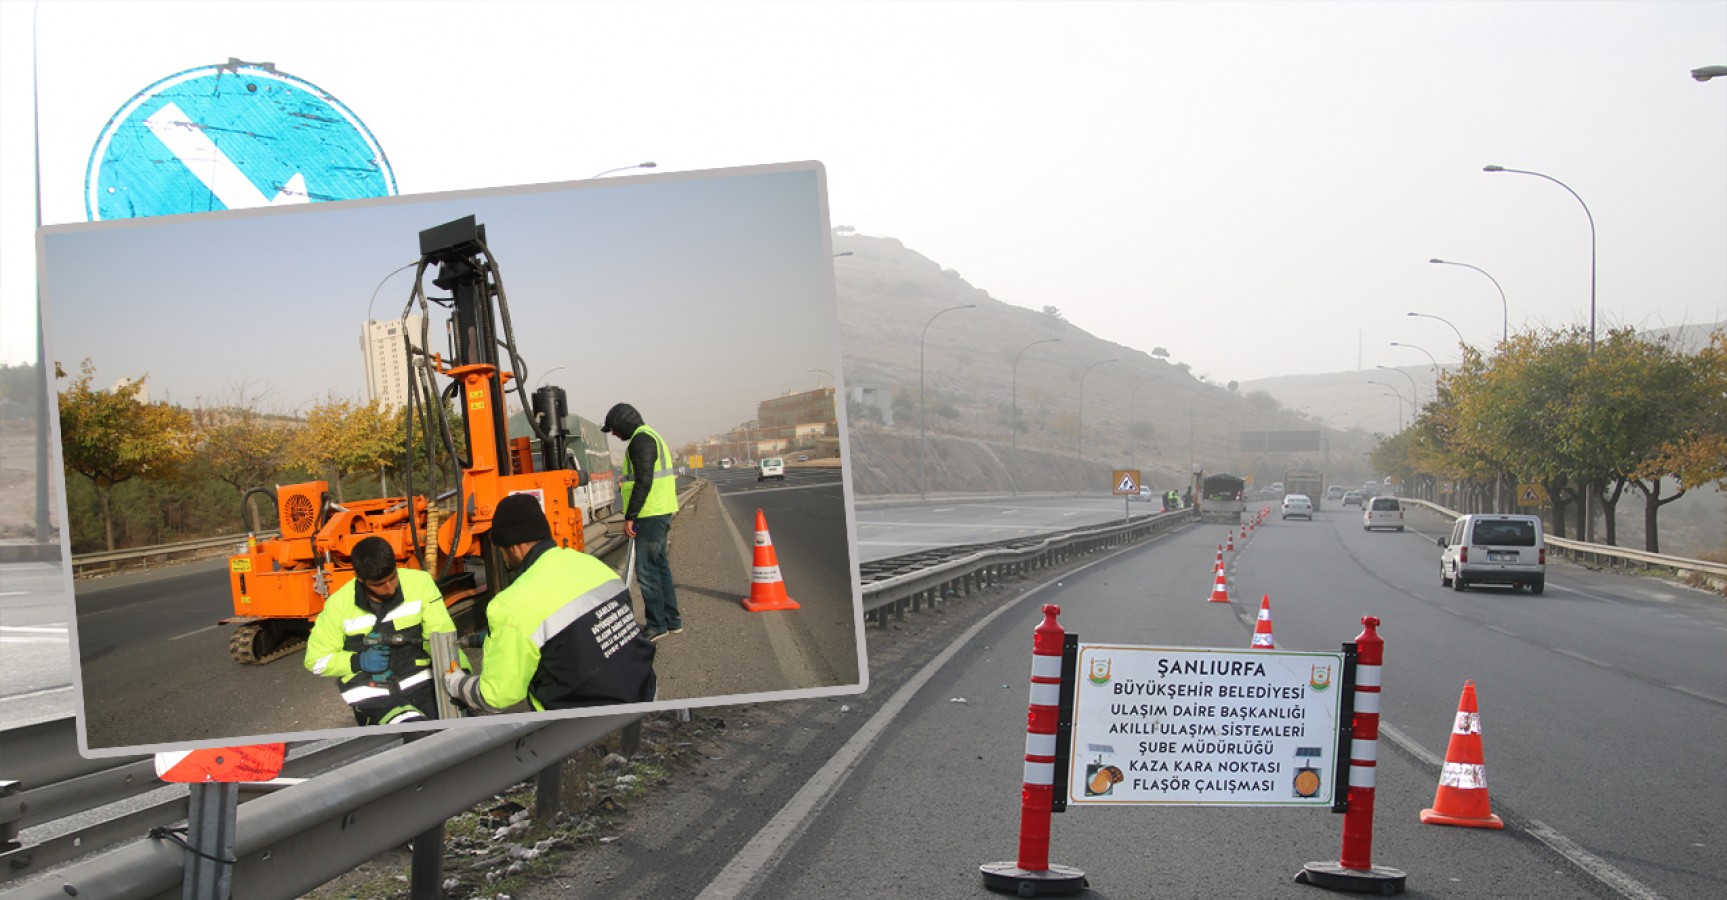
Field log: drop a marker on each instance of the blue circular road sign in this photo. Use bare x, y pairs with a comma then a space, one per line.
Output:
231, 137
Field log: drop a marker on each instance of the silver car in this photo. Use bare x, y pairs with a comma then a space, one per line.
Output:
1299, 506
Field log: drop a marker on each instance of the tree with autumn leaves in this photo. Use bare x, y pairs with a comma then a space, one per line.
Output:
1631, 414
116, 442
111, 437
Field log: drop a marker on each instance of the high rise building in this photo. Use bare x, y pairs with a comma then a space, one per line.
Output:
387, 358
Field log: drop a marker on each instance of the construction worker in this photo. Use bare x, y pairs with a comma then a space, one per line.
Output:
371, 638
562, 634
650, 497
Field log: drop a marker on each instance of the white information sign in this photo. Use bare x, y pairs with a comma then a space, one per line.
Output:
1185, 726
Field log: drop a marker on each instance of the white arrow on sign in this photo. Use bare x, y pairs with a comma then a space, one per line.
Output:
204, 159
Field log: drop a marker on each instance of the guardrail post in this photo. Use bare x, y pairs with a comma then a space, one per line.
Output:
210, 825
548, 790
9, 830
426, 875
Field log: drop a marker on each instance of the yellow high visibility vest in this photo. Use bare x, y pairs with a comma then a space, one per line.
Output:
663, 494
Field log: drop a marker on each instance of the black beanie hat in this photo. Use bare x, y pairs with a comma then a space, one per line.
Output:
518, 520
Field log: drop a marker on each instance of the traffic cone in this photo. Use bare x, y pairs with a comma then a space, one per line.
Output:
1231, 545
1219, 588
1219, 563
1262, 639
767, 587
1462, 795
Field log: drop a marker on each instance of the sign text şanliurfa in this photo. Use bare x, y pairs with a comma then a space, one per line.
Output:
1195, 727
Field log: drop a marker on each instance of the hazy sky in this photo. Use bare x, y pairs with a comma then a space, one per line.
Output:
1256, 187
692, 297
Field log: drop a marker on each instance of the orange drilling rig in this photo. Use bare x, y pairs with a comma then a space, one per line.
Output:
279, 585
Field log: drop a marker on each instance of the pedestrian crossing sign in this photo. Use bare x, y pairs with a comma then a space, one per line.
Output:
1126, 481
1531, 495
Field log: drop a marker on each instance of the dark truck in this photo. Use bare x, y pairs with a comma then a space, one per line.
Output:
1219, 498
1298, 481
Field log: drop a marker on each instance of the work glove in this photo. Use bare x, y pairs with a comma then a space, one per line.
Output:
375, 660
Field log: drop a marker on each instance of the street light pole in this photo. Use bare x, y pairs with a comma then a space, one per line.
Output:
1399, 395
1591, 218
1197, 389
1504, 308
1430, 357
1013, 452
641, 165
1460, 341
922, 482
1081, 487
830, 375
1414, 395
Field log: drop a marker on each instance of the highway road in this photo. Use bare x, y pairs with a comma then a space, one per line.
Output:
1601, 706
156, 670
35, 646
885, 531
806, 518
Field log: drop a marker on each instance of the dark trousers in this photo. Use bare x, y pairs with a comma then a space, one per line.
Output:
654, 569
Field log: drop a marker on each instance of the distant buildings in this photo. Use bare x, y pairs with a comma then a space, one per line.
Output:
387, 359
793, 421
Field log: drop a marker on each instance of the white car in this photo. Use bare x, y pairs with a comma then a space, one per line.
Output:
1382, 512
1494, 549
1298, 506
772, 467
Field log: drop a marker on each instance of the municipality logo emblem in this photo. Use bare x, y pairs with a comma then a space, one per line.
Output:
233, 136
1099, 674
1320, 677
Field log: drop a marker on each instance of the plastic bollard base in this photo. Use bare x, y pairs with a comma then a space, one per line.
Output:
1334, 876
1010, 878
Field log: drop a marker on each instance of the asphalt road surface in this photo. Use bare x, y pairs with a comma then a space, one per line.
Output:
885, 531
1601, 708
806, 520
156, 671
35, 646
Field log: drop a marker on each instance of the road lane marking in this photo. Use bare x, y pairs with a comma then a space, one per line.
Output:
763, 852
1581, 658
28, 694
1591, 864
1719, 701
190, 633
1603, 871
1505, 631
942, 509
37, 629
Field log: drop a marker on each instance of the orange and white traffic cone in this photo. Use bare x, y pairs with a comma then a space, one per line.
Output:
1231, 543
1262, 639
1462, 795
767, 587
1219, 588
1219, 563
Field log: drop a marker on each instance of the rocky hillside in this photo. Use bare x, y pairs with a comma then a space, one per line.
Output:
1142, 410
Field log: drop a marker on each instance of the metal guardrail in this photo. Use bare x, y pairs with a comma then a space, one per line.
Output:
1610, 556
288, 841
88, 562
986, 565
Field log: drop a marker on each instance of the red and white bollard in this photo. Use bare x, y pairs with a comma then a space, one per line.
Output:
1032, 874
1354, 870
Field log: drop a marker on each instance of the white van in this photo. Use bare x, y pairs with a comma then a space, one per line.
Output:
772, 467
1494, 549
1382, 512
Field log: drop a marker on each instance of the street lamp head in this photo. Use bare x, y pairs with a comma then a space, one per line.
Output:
1436, 260
1708, 72
1493, 168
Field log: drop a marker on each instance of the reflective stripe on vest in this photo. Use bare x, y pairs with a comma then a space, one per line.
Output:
577, 607
662, 497
369, 691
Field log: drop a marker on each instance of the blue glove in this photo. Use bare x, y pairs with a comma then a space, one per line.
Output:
375, 660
